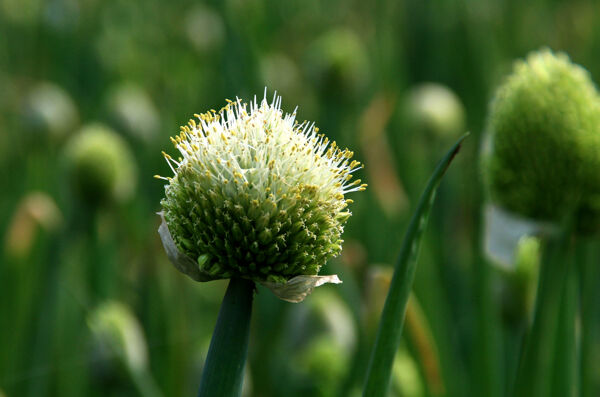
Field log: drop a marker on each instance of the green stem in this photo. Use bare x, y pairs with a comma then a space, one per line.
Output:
533, 376
590, 312
565, 362
486, 358
223, 372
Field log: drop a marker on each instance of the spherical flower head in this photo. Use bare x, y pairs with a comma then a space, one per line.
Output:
338, 60
545, 145
50, 110
435, 111
100, 166
256, 194
132, 110
115, 327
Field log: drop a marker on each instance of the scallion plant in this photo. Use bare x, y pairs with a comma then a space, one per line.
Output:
543, 164
256, 197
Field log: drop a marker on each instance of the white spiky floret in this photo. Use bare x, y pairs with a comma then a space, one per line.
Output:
240, 147
257, 194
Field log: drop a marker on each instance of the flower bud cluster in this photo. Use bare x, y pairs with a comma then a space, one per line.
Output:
545, 142
256, 194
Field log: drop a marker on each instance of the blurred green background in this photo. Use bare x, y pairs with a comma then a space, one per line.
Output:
90, 305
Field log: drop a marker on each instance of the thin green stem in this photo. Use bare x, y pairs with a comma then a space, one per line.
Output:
486, 358
223, 372
590, 312
565, 362
533, 376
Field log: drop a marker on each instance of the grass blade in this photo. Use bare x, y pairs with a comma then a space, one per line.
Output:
392, 319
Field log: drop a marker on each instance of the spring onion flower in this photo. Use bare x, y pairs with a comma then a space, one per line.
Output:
115, 327
544, 152
256, 195
132, 110
338, 62
434, 111
50, 110
100, 166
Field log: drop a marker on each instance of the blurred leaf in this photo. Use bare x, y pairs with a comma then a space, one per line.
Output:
392, 319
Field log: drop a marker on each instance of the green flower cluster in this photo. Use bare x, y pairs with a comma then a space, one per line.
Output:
256, 194
545, 142
100, 166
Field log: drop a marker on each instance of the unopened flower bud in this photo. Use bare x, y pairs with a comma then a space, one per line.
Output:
115, 328
50, 110
435, 111
544, 152
133, 111
100, 166
338, 62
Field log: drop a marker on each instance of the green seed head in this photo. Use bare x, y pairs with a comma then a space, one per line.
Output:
132, 111
115, 328
256, 194
435, 111
338, 61
49, 109
100, 166
545, 145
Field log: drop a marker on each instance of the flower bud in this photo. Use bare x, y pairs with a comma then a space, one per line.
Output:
435, 111
321, 364
100, 166
204, 28
255, 195
338, 62
133, 111
50, 110
544, 150
116, 330
37, 210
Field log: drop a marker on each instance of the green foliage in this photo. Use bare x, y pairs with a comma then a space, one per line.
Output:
392, 318
142, 69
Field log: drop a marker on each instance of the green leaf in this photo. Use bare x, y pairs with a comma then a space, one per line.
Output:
392, 319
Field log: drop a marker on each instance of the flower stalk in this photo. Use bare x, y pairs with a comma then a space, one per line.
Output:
535, 363
223, 372
589, 279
